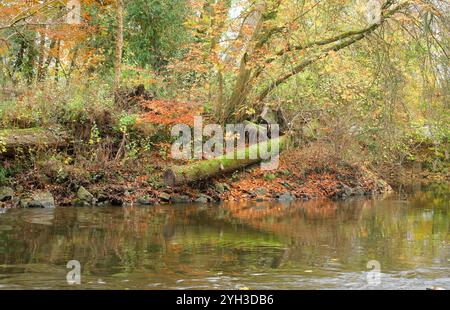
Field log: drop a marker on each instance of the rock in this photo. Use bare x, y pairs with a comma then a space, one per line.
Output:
62, 176
102, 198
260, 191
304, 197
201, 200
383, 186
219, 187
6, 193
286, 197
81, 203
145, 201
346, 191
42, 199
15, 202
24, 202
207, 197
359, 191
180, 199
164, 196
85, 196
380, 184
117, 202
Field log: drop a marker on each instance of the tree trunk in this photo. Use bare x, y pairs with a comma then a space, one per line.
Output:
40, 65
20, 55
119, 46
205, 169
242, 85
57, 60
261, 34
48, 61
73, 63
30, 62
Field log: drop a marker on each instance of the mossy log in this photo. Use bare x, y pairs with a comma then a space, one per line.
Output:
205, 169
17, 140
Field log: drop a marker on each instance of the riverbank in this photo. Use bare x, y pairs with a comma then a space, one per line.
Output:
101, 154
303, 174
128, 169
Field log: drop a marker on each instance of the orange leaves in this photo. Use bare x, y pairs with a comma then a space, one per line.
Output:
165, 112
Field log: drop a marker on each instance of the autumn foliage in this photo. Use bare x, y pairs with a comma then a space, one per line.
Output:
166, 112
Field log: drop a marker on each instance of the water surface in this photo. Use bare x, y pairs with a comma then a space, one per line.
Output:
311, 245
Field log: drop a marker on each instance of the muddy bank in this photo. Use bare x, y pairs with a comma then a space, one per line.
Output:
301, 175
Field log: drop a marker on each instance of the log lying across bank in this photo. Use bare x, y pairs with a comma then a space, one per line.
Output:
16, 140
205, 169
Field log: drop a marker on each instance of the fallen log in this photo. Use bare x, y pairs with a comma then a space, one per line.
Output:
205, 169
16, 140
255, 128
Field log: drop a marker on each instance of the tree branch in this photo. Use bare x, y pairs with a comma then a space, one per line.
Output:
344, 40
327, 40
28, 13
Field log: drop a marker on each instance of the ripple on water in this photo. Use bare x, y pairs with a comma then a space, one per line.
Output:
305, 246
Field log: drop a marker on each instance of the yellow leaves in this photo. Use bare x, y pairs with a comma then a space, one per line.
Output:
332, 54
68, 160
151, 81
3, 48
250, 111
2, 145
347, 95
404, 18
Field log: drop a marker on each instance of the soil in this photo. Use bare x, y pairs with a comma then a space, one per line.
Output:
299, 176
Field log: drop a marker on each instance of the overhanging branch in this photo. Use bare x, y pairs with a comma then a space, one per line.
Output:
343, 40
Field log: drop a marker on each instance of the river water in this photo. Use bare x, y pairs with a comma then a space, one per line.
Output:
310, 245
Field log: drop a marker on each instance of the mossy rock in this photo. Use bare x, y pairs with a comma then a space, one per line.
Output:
84, 195
6, 193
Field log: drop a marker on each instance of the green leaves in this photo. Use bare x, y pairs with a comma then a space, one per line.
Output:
126, 122
155, 31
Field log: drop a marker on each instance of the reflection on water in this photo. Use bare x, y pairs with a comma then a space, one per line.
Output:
313, 245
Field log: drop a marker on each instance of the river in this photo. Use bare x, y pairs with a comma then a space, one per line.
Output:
302, 245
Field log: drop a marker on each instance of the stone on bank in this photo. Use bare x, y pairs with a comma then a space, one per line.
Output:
43, 199
6, 193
